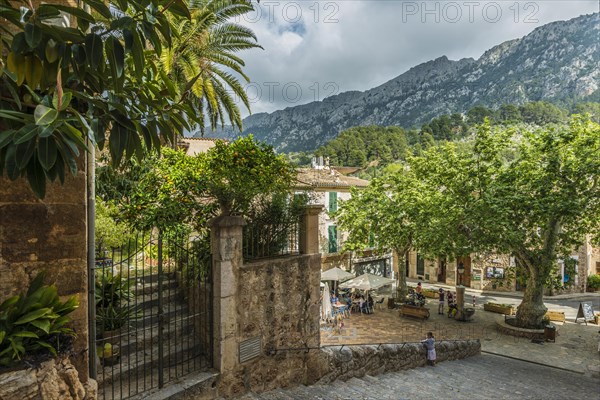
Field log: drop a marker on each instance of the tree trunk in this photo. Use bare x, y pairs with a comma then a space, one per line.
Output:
531, 311
401, 288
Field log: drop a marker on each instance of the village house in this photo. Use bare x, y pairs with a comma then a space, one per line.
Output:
328, 185
498, 272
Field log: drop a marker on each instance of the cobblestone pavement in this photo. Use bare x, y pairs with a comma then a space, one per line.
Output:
483, 377
575, 349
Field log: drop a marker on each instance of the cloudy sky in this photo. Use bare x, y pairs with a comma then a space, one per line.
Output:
313, 49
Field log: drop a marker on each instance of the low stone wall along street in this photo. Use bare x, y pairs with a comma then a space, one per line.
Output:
346, 362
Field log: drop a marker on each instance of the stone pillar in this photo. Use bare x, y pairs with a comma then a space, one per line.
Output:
227, 258
460, 301
47, 235
309, 232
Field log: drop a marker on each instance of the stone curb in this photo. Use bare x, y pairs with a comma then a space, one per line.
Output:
533, 362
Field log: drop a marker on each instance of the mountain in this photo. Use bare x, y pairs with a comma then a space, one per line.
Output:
557, 62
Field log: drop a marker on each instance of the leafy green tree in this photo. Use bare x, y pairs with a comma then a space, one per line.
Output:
180, 190
478, 114
168, 194
236, 173
590, 108
542, 113
537, 206
110, 234
101, 80
509, 113
541, 205
203, 49
359, 145
384, 214
454, 200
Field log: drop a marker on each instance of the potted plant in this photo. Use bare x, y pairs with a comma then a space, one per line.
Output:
108, 354
593, 282
113, 312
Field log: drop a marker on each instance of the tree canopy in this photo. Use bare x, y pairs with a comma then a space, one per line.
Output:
95, 75
374, 147
180, 189
538, 204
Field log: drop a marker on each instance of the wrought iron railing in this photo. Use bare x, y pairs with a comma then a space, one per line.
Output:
153, 314
271, 240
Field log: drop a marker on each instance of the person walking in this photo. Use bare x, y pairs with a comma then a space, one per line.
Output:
430, 345
441, 302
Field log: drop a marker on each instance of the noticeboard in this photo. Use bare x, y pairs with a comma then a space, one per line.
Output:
585, 311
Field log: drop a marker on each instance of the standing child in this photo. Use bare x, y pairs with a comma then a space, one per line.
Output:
430, 345
441, 303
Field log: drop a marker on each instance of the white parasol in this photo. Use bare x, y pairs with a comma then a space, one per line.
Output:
367, 282
326, 303
336, 274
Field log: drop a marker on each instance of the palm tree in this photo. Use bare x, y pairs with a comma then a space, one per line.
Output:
202, 59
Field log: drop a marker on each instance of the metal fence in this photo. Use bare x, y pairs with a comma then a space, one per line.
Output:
153, 314
271, 240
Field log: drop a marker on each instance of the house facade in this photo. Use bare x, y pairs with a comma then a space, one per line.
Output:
328, 186
499, 272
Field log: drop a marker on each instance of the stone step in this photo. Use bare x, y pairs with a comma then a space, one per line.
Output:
153, 278
144, 288
482, 377
133, 366
137, 339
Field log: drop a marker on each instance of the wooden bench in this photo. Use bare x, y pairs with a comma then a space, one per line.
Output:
555, 316
414, 311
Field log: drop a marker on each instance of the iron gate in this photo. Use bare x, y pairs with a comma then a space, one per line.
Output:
153, 311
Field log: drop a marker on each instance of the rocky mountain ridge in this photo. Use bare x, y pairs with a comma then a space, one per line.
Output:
559, 61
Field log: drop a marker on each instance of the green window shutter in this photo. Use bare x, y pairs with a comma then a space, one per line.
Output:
332, 201
333, 247
371, 239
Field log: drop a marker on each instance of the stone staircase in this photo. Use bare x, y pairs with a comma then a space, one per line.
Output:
482, 377
137, 369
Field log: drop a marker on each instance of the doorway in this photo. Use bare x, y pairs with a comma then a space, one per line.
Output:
441, 270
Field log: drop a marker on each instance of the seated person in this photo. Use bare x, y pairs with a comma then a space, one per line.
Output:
364, 305
334, 299
369, 304
419, 288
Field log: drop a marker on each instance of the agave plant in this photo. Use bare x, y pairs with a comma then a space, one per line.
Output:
202, 54
113, 294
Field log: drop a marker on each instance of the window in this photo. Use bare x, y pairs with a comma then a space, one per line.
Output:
420, 265
332, 201
598, 267
333, 245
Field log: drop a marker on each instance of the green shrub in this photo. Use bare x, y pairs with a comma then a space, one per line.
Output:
593, 281
113, 294
33, 323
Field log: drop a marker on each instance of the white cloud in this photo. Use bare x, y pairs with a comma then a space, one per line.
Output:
321, 47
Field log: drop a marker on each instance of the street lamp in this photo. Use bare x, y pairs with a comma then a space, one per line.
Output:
461, 270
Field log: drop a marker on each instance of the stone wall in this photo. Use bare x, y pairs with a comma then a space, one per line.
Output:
484, 262
48, 235
339, 260
53, 379
346, 362
278, 300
